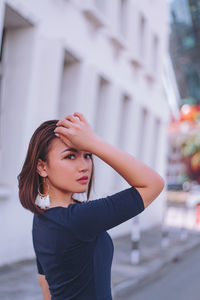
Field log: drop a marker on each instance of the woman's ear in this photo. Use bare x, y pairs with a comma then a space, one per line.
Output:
41, 168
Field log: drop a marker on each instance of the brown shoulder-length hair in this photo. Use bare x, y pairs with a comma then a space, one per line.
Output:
29, 179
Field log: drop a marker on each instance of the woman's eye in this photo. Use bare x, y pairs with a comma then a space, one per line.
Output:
89, 155
70, 156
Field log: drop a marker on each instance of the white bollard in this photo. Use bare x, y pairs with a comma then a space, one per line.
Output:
135, 239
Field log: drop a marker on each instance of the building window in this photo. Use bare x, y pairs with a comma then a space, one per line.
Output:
155, 52
156, 139
125, 111
122, 17
69, 92
142, 37
143, 134
102, 98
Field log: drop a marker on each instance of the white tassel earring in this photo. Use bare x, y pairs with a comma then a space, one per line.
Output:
42, 200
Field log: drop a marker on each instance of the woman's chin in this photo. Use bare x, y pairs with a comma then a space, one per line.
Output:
81, 189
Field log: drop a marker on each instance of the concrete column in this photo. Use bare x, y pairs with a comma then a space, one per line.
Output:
135, 133
125, 21
161, 158
69, 89
132, 27
17, 68
107, 118
128, 139
119, 16
161, 164
135, 143
78, 95
44, 86
146, 144
156, 210
143, 117
125, 134
112, 13
87, 92
18, 57
149, 142
130, 120
132, 143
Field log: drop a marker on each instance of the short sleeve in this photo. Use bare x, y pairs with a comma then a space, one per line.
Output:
39, 267
89, 219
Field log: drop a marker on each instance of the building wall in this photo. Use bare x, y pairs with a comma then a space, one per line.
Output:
102, 58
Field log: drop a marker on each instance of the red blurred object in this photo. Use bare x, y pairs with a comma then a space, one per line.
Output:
193, 172
190, 112
188, 124
198, 214
195, 162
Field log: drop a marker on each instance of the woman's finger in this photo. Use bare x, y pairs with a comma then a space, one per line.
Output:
65, 123
65, 140
80, 116
61, 130
72, 118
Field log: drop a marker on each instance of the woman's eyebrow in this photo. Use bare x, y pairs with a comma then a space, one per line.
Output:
70, 149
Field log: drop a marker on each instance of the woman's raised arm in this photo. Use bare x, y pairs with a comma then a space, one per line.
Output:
148, 182
79, 133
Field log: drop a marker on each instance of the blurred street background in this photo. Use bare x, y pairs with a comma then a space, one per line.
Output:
133, 69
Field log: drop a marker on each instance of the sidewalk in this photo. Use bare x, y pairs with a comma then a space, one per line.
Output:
19, 281
153, 257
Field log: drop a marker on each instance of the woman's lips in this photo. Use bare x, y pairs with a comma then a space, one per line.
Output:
83, 180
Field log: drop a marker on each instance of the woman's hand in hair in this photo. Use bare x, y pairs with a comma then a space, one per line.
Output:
75, 131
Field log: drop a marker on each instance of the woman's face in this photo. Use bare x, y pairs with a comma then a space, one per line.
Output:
66, 165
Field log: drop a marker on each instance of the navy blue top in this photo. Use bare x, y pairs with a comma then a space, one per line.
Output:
73, 249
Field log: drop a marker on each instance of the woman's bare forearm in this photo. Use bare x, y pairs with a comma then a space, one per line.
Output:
44, 287
131, 169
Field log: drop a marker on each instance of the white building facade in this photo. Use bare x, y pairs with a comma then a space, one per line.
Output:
102, 58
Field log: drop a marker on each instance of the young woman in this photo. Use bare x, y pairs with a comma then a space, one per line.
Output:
73, 250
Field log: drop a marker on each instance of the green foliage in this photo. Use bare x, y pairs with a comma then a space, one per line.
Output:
191, 145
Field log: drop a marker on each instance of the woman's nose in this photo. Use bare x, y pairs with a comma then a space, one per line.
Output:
83, 164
